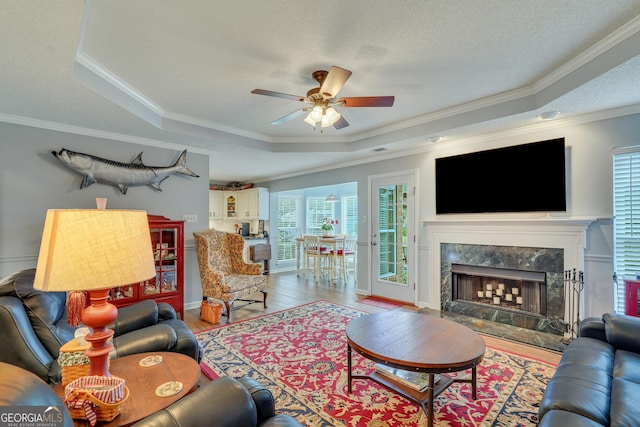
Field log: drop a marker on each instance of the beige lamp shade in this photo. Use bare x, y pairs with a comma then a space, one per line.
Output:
94, 249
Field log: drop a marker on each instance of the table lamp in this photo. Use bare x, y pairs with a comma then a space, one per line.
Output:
94, 250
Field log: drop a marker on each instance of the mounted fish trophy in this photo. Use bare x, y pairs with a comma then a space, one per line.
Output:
121, 175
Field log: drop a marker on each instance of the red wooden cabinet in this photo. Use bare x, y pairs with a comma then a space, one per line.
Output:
631, 291
167, 240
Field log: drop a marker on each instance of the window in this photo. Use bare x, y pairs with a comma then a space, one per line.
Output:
626, 222
317, 211
349, 220
287, 227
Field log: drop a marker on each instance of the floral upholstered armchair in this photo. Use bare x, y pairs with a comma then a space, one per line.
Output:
223, 273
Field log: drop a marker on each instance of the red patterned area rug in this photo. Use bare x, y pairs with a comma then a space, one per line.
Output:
301, 356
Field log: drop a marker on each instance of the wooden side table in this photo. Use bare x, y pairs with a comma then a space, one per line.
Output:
142, 383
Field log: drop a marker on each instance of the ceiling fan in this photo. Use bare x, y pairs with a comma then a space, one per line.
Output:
321, 100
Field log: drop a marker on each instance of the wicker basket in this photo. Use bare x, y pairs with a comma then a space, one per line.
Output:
96, 398
73, 361
211, 311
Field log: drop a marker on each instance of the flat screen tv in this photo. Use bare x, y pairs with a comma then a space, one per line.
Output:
522, 178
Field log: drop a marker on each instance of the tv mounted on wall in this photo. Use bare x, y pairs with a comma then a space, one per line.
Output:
522, 178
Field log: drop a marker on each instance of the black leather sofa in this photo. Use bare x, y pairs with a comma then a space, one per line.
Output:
597, 382
34, 327
225, 402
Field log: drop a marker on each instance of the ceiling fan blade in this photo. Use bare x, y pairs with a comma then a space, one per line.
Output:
277, 94
334, 81
341, 123
289, 116
366, 101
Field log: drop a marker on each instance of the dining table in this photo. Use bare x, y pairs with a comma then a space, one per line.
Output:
330, 242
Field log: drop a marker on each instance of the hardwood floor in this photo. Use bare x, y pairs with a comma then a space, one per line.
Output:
286, 291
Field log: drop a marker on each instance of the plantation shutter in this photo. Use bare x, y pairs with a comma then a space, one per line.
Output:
626, 222
317, 211
287, 227
349, 219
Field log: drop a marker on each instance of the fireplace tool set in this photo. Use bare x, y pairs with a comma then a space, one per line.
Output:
573, 287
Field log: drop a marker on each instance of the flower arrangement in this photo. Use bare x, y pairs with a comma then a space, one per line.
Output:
327, 224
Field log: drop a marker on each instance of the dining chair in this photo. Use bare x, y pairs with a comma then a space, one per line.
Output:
314, 250
344, 254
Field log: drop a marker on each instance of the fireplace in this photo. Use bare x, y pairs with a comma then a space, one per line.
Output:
514, 285
500, 288
548, 244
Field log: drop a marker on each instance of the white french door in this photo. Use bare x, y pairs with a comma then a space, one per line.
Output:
393, 240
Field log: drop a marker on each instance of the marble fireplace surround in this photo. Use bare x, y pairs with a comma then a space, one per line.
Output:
507, 237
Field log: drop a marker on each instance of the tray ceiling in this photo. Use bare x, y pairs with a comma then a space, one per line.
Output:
178, 74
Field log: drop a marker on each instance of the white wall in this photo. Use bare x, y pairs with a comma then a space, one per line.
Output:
32, 180
589, 191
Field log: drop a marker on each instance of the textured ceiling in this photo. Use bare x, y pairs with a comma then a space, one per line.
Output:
178, 74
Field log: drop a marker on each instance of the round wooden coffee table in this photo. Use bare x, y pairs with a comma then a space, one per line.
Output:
143, 381
417, 343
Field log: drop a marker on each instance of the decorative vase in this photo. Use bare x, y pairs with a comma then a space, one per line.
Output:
325, 232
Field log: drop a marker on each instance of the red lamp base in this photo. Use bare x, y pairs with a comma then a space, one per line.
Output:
97, 316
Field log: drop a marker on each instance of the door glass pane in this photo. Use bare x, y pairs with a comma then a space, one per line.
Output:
392, 232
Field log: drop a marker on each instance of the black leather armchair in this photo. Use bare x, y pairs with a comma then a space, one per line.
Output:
225, 402
34, 327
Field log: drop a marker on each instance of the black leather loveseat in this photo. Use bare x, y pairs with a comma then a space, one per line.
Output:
34, 327
225, 402
597, 382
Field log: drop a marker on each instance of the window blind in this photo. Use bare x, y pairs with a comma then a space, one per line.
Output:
317, 211
350, 215
626, 223
287, 227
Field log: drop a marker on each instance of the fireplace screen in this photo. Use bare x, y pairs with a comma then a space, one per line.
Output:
518, 290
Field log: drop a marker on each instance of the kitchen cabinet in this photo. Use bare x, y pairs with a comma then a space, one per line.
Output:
245, 205
167, 241
230, 205
215, 204
253, 204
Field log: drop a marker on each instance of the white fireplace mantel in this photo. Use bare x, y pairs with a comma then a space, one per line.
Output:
568, 234
542, 222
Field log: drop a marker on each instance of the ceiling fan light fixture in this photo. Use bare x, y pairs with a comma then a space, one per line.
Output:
324, 97
331, 198
316, 114
330, 117
309, 120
